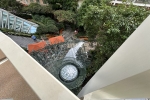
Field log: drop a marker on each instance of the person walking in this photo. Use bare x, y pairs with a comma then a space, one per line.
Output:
33, 37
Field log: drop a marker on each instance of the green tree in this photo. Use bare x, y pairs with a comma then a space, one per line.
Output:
84, 9
11, 5
43, 29
110, 26
46, 24
62, 16
64, 4
35, 8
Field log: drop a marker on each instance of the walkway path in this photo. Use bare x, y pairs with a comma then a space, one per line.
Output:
22, 41
68, 34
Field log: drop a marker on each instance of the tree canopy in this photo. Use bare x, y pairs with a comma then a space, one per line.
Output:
11, 5
110, 26
46, 24
62, 16
35, 8
64, 4
84, 9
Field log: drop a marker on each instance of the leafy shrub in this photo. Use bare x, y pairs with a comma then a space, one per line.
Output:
46, 24
35, 8
62, 16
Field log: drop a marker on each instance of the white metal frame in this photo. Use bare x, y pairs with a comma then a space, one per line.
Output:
22, 21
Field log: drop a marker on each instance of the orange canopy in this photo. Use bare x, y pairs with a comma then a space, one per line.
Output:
55, 40
36, 46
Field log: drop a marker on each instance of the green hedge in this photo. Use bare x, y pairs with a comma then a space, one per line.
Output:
12, 32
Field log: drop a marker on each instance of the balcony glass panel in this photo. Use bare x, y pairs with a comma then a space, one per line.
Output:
33, 29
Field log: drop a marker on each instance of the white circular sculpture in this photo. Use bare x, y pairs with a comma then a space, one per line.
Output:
69, 72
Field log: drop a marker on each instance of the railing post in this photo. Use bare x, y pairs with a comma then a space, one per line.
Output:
21, 27
0, 18
8, 21
14, 24
28, 31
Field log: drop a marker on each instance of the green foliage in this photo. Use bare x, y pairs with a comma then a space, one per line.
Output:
12, 32
60, 26
35, 8
46, 24
84, 9
11, 5
110, 26
43, 19
47, 29
64, 4
64, 16
70, 5
5, 30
